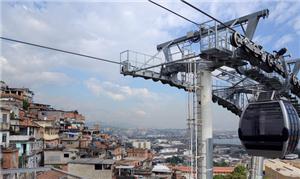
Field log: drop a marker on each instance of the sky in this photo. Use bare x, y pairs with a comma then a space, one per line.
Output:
106, 28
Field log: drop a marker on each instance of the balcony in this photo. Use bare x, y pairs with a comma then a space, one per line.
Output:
19, 137
50, 137
4, 126
10, 95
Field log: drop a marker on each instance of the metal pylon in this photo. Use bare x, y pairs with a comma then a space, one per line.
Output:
204, 125
256, 167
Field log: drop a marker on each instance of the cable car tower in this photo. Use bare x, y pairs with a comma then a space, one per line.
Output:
223, 53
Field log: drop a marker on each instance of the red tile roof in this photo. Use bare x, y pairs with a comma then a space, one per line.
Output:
223, 169
183, 168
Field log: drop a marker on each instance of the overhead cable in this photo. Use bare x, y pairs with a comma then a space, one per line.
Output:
59, 50
197, 24
189, 4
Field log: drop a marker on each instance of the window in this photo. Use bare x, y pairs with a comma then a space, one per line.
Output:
107, 167
66, 155
31, 131
4, 118
98, 166
4, 137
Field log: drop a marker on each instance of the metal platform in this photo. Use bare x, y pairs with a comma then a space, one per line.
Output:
199, 61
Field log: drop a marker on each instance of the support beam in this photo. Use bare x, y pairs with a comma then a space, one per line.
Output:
296, 63
251, 27
257, 15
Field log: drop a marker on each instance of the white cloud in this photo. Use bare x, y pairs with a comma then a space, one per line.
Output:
295, 23
284, 40
23, 76
263, 39
6, 66
140, 113
284, 11
116, 91
104, 29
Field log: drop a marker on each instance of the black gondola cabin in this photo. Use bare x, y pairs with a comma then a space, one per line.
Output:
269, 128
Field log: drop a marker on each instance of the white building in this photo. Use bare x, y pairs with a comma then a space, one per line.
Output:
161, 171
141, 144
162, 141
168, 150
26, 138
176, 142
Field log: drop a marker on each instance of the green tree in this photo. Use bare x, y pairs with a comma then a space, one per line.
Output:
174, 160
239, 172
219, 177
25, 104
221, 164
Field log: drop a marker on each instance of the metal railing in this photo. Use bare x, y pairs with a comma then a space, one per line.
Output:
132, 60
219, 39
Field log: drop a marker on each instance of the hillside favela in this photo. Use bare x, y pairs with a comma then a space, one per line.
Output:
150, 89
59, 143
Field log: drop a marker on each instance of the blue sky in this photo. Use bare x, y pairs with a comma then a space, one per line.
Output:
104, 29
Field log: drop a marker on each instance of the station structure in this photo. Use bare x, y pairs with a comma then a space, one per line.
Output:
218, 62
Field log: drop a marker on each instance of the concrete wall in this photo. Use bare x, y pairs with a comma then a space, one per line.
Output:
88, 171
57, 157
272, 174
9, 159
51, 142
70, 143
34, 161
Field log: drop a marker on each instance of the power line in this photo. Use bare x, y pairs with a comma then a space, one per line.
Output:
189, 4
197, 24
59, 50
88, 56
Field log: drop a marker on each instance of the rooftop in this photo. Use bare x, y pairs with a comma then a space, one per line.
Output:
161, 169
282, 168
182, 168
92, 161
223, 169
125, 167
136, 158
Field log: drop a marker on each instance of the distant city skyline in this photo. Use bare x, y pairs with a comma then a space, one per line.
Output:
97, 89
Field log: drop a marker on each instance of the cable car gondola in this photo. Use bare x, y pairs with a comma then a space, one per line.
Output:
269, 128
